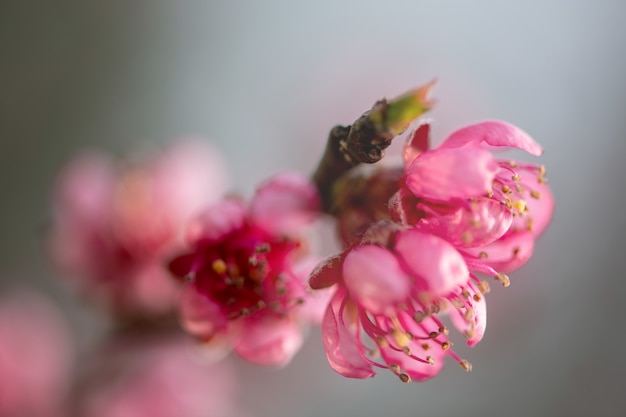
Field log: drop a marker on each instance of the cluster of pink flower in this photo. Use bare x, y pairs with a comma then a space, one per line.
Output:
456, 212
157, 238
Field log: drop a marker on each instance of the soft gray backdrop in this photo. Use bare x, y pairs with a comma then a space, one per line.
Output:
266, 81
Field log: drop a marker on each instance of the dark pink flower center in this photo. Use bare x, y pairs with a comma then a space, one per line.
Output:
246, 271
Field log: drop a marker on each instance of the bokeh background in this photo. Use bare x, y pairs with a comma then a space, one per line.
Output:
265, 81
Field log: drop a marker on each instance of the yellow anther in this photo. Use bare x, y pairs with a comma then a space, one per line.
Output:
425, 346
395, 368
519, 188
443, 330
469, 314
483, 255
404, 378
535, 194
504, 279
466, 237
542, 170
506, 189
433, 335
477, 297
446, 345
484, 287
516, 178
430, 360
466, 365
381, 341
469, 333
219, 266
400, 337
512, 164
419, 316
406, 350
520, 205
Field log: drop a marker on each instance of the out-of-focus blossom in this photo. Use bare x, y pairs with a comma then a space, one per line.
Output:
390, 291
246, 272
114, 222
492, 209
156, 376
35, 357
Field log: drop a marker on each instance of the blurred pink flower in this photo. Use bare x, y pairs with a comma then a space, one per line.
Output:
246, 272
156, 376
35, 357
387, 302
492, 210
114, 222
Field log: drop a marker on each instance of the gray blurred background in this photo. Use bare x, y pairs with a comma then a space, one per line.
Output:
266, 80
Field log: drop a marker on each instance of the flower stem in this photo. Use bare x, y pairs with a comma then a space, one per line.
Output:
366, 139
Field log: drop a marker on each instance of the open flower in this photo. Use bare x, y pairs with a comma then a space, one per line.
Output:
113, 223
491, 209
390, 293
35, 357
246, 272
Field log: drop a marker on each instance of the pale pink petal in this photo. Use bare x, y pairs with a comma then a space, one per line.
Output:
84, 188
478, 321
416, 370
495, 134
216, 222
374, 278
315, 300
341, 346
152, 289
269, 341
540, 205
416, 143
200, 315
327, 273
156, 377
35, 356
284, 203
444, 174
435, 262
479, 223
508, 253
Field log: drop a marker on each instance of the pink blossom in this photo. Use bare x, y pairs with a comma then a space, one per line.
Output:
246, 269
35, 355
156, 376
385, 311
460, 192
114, 222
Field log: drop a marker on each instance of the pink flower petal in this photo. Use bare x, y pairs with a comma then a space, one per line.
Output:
436, 263
483, 221
494, 134
478, 321
85, 188
216, 222
417, 370
416, 144
341, 347
374, 278
284, 203
508, 253
200, 315
444, 174
540, 207
269, 341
